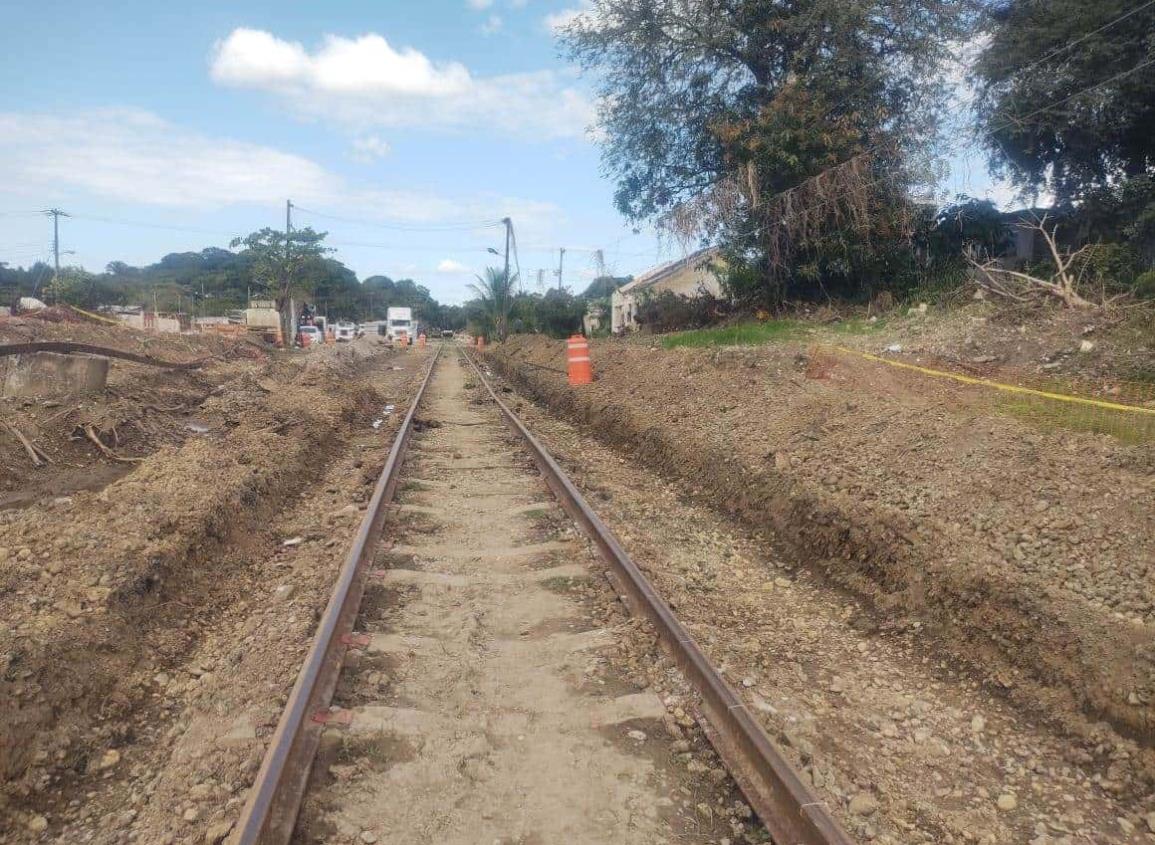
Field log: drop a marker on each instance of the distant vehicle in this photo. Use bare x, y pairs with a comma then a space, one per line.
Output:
447, 333
344, 332
399, 322
309, 336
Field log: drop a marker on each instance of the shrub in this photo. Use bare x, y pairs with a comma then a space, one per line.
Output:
1145, 285
668, 312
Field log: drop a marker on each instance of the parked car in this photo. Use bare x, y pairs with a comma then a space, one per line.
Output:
309, 336
344, 332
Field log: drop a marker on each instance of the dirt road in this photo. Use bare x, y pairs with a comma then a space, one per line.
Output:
483, 709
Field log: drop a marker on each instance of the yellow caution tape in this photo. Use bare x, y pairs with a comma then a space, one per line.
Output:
99, 317
1009, 388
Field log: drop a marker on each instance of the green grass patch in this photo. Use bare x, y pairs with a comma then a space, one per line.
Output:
743, 334
1132, 429
772, 331
560, 583
856, 327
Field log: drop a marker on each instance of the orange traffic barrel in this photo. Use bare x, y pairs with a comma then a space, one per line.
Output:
480, 342
421, 339
403, 340
578, 360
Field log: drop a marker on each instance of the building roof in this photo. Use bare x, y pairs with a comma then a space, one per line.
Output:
664, 271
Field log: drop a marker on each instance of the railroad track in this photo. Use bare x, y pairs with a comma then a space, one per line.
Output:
458, 698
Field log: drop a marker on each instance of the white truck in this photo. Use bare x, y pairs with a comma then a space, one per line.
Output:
399, 323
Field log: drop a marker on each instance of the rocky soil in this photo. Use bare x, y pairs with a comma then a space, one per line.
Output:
904, 744
153, 627
1026, 553
143, 408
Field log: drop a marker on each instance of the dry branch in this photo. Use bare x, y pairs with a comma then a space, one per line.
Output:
1022, 287
91, 434
37, 455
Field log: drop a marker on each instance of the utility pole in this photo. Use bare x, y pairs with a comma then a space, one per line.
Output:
508, 229
288, 243
560, 264
287, 325
56, 214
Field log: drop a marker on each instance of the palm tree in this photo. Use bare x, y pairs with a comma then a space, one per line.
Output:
495, 291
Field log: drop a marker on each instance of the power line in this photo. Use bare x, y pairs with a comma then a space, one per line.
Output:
1097, 86
406, 227
119, 222
1059, 50
1005, 125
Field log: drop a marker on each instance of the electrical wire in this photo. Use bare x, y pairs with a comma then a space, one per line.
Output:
407, 247
118, 222
1018, 120
1082, 38
404, 227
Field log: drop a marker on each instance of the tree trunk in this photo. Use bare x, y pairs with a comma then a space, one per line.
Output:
285, 313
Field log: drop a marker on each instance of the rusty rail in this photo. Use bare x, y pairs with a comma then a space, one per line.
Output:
792, 813
68, 347
270, 812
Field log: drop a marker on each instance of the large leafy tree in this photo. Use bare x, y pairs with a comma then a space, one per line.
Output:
714, 110
284, 263
1042, 130
1067, 107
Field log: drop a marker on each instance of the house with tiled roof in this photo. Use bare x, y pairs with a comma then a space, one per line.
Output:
692, 275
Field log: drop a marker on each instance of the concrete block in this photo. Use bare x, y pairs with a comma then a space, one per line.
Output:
54, 374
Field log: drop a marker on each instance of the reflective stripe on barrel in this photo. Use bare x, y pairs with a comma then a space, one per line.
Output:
578, 360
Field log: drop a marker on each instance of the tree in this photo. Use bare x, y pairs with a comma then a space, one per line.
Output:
281, 264
495, 300
968, 225
604, 286
1060, 105
784, 130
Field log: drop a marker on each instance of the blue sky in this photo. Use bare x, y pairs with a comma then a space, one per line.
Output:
168, 129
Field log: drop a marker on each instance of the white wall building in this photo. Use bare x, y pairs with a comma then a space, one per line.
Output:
687, 276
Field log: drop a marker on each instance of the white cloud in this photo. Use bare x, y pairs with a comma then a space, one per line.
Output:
556, 21
369, 148
133, 156
479, 5
492, 25
448, 265
365, 81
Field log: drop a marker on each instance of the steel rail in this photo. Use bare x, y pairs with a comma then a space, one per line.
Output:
270, 813
791, 811
67, 348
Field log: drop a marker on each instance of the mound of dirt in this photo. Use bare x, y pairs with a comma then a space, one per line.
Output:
1027, 552
142, 409
100, 591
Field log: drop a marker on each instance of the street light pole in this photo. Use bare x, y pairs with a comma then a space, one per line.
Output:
508, 228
